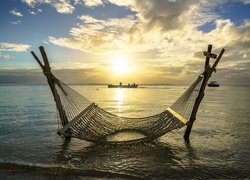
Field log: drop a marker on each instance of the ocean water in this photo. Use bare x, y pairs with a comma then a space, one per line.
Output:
219, 143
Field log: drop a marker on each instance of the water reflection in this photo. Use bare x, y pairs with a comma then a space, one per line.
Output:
191, 154
119, 98
143, 160
153, 159
220, 139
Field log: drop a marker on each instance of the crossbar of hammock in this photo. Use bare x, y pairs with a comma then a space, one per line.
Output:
178, 116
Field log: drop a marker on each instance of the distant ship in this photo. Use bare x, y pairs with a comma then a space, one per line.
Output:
213, 84
120, 85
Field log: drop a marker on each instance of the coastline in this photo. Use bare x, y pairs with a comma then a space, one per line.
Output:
17, 171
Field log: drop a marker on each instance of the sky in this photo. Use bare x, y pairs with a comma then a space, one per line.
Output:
111, 41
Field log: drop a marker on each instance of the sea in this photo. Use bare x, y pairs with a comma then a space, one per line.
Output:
219, 144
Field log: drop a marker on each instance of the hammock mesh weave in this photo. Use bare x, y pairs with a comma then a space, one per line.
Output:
89, 122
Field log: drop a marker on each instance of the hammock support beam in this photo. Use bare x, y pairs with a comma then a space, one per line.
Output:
207, 74
51, 81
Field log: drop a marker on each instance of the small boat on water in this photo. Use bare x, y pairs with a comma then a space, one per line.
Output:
213, 84
120, 85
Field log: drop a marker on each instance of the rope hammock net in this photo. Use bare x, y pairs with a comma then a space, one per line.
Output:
83, 119
95, 124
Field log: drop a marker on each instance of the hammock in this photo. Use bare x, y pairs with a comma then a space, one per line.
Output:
83, 119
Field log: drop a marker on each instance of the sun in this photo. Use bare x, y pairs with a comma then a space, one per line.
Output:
120, 65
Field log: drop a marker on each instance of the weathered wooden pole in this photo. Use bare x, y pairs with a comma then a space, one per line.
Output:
52, 81
206, 75
206, 54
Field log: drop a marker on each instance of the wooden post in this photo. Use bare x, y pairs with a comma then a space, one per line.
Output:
51, 81
207, 74
209, 50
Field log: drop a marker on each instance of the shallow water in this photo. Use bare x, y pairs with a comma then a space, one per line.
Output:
219, 146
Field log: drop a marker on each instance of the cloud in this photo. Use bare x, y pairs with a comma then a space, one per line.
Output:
61, 6
16, 22
4, 56
127, 3
104, 36
170, 28
33, 13
13, 47
89, 3
155, 24
21, 76
35, 76
246, 1
152, 28
16, 13
30, 2
167, 15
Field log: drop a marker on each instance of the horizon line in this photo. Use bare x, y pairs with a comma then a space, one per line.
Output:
105, 84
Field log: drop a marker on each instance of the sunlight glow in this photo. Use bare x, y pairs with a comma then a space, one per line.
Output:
120, 65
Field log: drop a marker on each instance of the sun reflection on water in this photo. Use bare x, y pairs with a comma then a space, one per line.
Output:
119, 97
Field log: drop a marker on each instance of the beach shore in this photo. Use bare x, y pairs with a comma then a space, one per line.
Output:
19, 171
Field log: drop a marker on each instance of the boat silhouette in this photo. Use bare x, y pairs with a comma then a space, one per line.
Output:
213, 84
120, 85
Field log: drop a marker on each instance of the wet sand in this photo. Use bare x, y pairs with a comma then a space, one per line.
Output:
16, 171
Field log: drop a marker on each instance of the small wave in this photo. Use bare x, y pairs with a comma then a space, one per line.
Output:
52, 171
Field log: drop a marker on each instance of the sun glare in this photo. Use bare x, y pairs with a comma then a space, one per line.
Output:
120, 65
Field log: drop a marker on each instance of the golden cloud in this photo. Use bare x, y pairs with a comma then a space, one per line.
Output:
13, 47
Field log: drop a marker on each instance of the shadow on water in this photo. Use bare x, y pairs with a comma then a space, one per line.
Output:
139, 160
